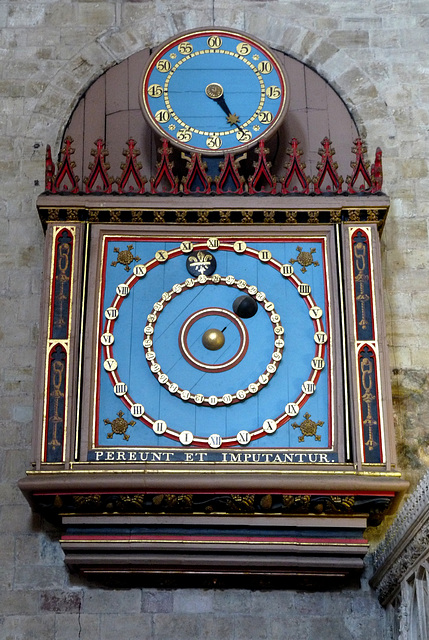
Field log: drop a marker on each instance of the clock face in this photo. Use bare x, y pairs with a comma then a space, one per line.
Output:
214, 343
214, 91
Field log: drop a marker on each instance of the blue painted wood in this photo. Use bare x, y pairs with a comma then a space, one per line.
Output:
269, 402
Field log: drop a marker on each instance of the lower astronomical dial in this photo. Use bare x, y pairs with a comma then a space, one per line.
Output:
214, 342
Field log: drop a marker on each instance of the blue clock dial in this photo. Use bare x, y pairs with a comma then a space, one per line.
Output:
186, 369
214, 91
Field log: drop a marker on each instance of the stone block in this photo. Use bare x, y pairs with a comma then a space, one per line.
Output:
10, 493
131, 627
399, 356
7, 547
157, 601
415, 168
106, 601
27, 549
350, 38
18, 519
62, 16
291, 628
3, 16
81, 627
39, 577
25, 627
15, 602
96, 16
363, 21
279, 603
22, 15
23, 413
246, 627
50, 550
420, 356
61, 601
231, 600
308, 43
176, 627
193, 601
323, 52
310, 604
217, 627
386, 39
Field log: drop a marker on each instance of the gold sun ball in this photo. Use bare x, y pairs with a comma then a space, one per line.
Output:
213, 339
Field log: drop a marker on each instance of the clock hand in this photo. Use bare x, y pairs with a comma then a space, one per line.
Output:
215, 92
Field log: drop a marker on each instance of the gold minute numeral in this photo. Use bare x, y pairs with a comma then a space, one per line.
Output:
265, 117
265, 67
184, 135
214, 142
243, 48
162, 115
273, 92
163, 65
185, 48
244, 135
155, 91
214, 42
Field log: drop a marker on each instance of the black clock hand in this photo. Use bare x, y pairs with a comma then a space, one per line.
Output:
230, 116
215, 92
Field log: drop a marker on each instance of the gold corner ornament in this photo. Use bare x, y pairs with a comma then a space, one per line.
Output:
125, 257
305, 259
308, 427
119, 426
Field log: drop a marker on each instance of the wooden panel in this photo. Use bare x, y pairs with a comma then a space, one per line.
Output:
295, 125
142, 134
117, 88
342, 132
95, 119
75, 130
117, 134
135, 66
317, 125
110, 109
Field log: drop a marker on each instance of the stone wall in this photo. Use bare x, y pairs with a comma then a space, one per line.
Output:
376, 56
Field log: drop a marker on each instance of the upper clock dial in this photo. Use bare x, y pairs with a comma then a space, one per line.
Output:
214, 91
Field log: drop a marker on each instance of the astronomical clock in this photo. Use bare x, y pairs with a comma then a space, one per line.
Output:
213, 402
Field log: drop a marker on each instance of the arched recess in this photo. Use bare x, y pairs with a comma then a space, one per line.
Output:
110, 110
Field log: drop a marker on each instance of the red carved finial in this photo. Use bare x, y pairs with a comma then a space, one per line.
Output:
164, 171
66, 181
99, 169
262, 172
131, 171
377, 172
49, 170
295, 169
327, 166
360, 166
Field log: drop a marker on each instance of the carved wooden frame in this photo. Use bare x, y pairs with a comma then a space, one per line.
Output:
300, 520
